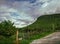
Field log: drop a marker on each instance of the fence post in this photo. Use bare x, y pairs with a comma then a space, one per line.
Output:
17, 36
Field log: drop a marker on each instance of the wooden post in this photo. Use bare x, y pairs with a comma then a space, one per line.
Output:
53, 26
17, 36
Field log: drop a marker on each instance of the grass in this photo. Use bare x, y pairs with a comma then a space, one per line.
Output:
12, 40
34, 37
43, 25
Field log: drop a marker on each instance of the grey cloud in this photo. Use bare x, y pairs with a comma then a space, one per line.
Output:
26, 21
30, 11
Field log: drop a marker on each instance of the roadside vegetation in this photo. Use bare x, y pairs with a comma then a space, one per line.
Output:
44, 25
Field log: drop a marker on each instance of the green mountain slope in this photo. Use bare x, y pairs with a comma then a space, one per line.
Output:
44, 25
45, 22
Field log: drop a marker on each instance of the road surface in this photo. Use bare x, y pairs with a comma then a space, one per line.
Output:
53, 38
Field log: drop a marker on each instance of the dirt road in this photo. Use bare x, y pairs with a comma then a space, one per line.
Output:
53, 38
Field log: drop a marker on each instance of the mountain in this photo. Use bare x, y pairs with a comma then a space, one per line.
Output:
45, 22
44, 26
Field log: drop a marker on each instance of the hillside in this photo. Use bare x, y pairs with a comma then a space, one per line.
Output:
44, 25
45, 22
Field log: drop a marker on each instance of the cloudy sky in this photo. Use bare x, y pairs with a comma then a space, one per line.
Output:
26, 12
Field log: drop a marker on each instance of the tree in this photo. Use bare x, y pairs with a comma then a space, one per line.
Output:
7, 29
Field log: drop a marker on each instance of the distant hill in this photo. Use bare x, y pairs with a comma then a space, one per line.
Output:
44, 25
45, 22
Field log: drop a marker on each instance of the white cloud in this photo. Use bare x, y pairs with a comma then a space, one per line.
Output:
25, 13
13, 15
